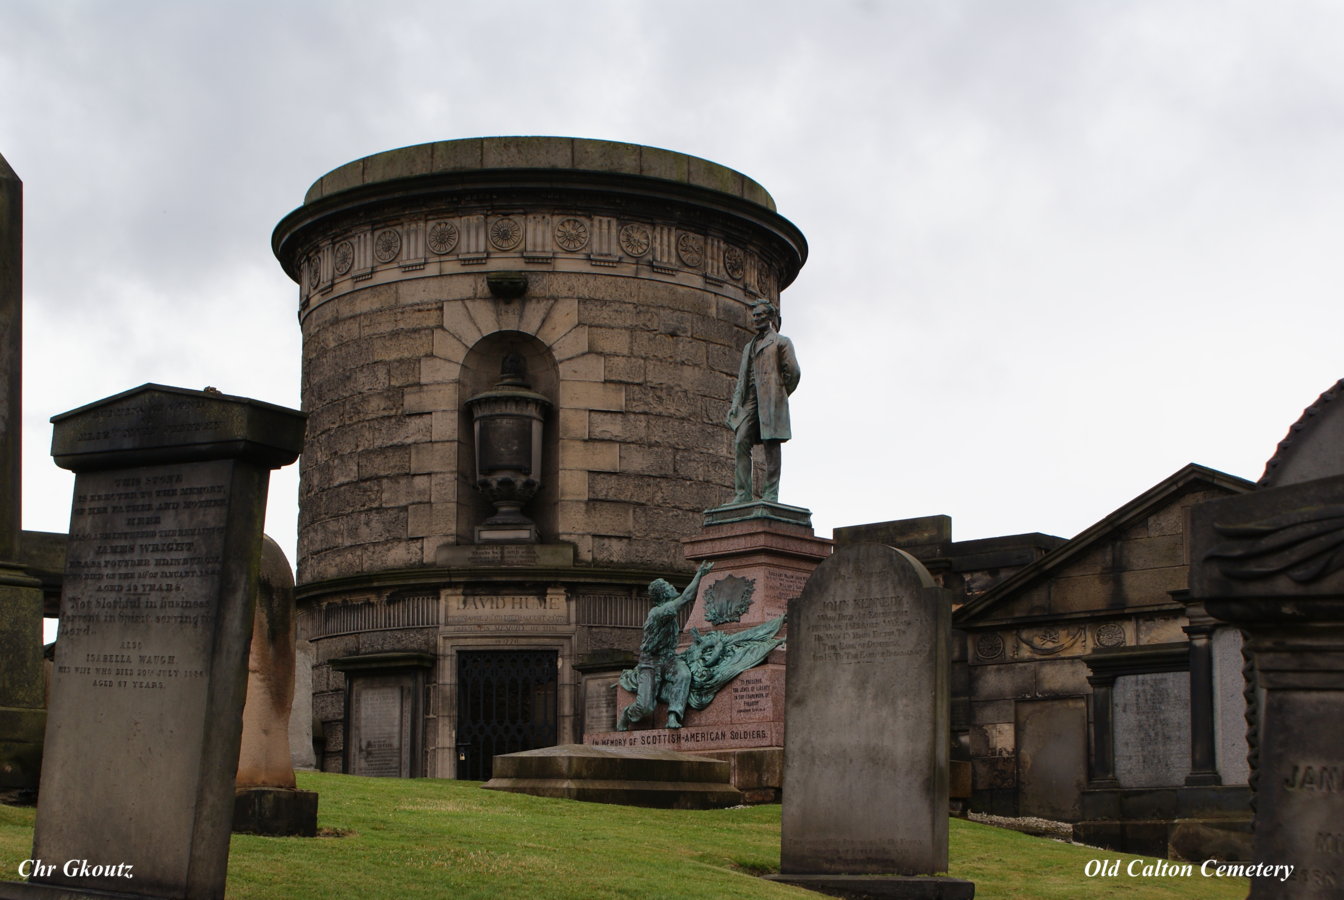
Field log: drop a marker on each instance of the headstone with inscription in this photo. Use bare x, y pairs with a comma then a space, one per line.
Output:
866, 751
151, 668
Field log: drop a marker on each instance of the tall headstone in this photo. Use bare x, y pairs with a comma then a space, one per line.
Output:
22, 717
1270, 562
151, 669
866, 751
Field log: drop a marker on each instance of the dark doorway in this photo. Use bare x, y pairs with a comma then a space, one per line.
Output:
506, 702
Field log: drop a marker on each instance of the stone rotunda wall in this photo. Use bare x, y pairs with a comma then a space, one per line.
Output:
640, 268
641, 264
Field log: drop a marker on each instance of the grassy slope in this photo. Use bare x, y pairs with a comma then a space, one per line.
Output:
441, 839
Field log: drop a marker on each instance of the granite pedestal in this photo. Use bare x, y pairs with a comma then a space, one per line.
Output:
763, 554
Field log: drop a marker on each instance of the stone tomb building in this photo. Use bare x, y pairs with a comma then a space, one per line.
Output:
558, 321
1086, 686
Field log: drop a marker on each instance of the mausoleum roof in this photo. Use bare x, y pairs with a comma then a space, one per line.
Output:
1190, 477
541, 153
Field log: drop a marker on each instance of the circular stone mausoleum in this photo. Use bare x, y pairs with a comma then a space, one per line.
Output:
518, 353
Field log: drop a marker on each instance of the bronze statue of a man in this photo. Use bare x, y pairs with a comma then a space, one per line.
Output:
760, 412
661, 674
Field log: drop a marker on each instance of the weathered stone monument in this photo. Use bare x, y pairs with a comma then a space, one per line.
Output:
1271, 563
866, 752
22, 717
151, 669
763, 552
267, 800
518, 357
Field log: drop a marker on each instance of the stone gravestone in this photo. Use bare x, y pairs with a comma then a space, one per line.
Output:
1270, 562
146, 702
267, 799
866, 749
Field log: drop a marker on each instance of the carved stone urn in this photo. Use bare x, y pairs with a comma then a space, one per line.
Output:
508, 421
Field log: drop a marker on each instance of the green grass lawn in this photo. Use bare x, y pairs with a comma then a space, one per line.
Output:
395, 839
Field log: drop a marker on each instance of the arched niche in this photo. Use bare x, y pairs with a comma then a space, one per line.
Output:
480, 371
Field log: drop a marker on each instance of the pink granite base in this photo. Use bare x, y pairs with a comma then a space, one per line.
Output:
777, 557
748, 712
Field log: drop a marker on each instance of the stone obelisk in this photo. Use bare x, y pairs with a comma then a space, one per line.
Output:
22, 713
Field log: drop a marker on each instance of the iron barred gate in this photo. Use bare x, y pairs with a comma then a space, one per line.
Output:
506, 702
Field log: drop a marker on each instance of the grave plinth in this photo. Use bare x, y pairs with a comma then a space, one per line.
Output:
763, 554
145, 716
1268, 562
866, 757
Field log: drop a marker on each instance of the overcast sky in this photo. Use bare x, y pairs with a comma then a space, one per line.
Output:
1058, 249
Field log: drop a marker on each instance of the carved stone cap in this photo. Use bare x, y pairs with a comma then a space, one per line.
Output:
533, 152
154, 424
478, 175
1109, 664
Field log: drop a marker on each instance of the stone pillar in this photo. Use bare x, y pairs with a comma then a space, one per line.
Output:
11, 360
1268, 563
1101, 761
22, 717
1203, 759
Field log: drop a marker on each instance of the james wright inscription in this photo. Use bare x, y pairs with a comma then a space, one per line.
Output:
144, 553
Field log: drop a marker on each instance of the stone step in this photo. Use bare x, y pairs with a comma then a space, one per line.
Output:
657, 778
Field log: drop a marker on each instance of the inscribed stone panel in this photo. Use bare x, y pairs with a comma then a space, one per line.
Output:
1151, 721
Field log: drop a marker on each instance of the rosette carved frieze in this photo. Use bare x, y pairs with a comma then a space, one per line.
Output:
436, 242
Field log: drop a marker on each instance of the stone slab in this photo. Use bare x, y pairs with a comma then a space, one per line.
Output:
866, 752
865, 886
657, 778
758, 509
758, 773
1152, 729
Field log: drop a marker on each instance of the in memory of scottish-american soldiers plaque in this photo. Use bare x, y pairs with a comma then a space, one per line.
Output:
866, 748
151, 666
